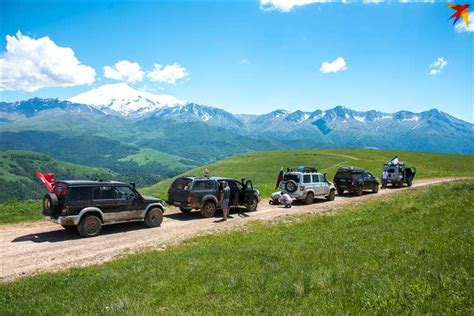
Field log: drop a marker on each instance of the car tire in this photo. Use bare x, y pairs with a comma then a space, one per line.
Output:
68, 227
332, 195
340, 191
89, 226
154, 217
185, 209
252, 207
309, 199
291, 186
50, 204
409, 183
359, 191
400, 184
375, 189
208, 209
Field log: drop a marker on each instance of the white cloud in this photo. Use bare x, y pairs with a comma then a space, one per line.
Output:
244, 61
288, 5
339, 64
168, 74
124, 70
436, 66
30, 64
461, 26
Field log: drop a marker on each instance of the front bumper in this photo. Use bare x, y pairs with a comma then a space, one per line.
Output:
64, 220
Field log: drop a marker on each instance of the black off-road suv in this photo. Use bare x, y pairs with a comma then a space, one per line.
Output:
87, 205
355, 180
202, 193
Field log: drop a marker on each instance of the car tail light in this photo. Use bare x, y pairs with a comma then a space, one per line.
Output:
302, 188
190, 199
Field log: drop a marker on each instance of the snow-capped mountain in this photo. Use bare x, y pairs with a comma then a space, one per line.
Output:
120, 98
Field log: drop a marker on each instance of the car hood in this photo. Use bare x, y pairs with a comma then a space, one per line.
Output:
151, 199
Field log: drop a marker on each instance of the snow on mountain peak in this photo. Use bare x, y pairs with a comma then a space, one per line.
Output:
123, 99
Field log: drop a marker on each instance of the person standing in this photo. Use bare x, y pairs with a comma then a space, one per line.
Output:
384, 179
224, 201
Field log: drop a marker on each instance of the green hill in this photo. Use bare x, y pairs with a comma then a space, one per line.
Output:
17, 173
263, 167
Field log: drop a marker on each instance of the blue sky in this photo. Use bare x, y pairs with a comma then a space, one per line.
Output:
240, 57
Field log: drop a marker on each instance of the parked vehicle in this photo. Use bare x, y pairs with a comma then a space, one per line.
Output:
355, 180
306, 183
399, 173
88, 205
203, 193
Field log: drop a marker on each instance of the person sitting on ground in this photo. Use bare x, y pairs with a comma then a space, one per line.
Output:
286, 200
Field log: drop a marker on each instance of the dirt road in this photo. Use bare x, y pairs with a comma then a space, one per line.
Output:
35, 247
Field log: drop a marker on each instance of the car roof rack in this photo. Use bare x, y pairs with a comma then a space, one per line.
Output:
301, 169
350, 169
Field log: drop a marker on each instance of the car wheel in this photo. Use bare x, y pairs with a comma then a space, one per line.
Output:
359, 191
331, 196
309, 199
208, 209
400, 184
375, 188
50, 204
291, 186
252, 206
68, 227
154, 217
185, 209
409, 183
89, 226
340, 191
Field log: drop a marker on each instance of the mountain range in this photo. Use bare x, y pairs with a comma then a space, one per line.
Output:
123, 129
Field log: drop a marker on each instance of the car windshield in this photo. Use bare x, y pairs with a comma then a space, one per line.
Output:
294, 177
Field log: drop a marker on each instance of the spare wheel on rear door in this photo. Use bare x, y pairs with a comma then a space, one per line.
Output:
291, 186
50, 204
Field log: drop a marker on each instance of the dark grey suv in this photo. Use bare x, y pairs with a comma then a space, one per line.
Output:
87, 205
202, 193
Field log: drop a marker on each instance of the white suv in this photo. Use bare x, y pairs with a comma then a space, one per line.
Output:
307, 184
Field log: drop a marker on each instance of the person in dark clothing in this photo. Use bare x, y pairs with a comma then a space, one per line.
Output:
224, 200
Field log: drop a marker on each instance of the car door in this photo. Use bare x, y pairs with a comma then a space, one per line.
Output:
369, 180
104, 199
316, 184
234, 192
323, 184
127, 204
249, 192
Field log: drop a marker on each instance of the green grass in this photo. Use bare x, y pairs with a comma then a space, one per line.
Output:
17, 173
411, 253
149, 155
263, 167
20, 211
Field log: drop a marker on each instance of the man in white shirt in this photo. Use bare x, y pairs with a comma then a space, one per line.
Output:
384, 179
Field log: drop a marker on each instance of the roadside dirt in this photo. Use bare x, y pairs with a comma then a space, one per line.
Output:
35, 247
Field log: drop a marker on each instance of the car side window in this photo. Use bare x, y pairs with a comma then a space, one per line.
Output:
104, 193
321, 178
124, 193
80, 194
239, 186
307, 178
204, 185
315, 178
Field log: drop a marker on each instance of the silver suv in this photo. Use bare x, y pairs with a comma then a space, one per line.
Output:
305, 183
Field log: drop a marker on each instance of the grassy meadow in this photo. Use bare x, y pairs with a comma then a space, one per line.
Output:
407, 254
263, 167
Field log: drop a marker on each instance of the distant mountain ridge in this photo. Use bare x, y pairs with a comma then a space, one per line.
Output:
177, 127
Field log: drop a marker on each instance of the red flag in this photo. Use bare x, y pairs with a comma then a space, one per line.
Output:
280, 178
47, 179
